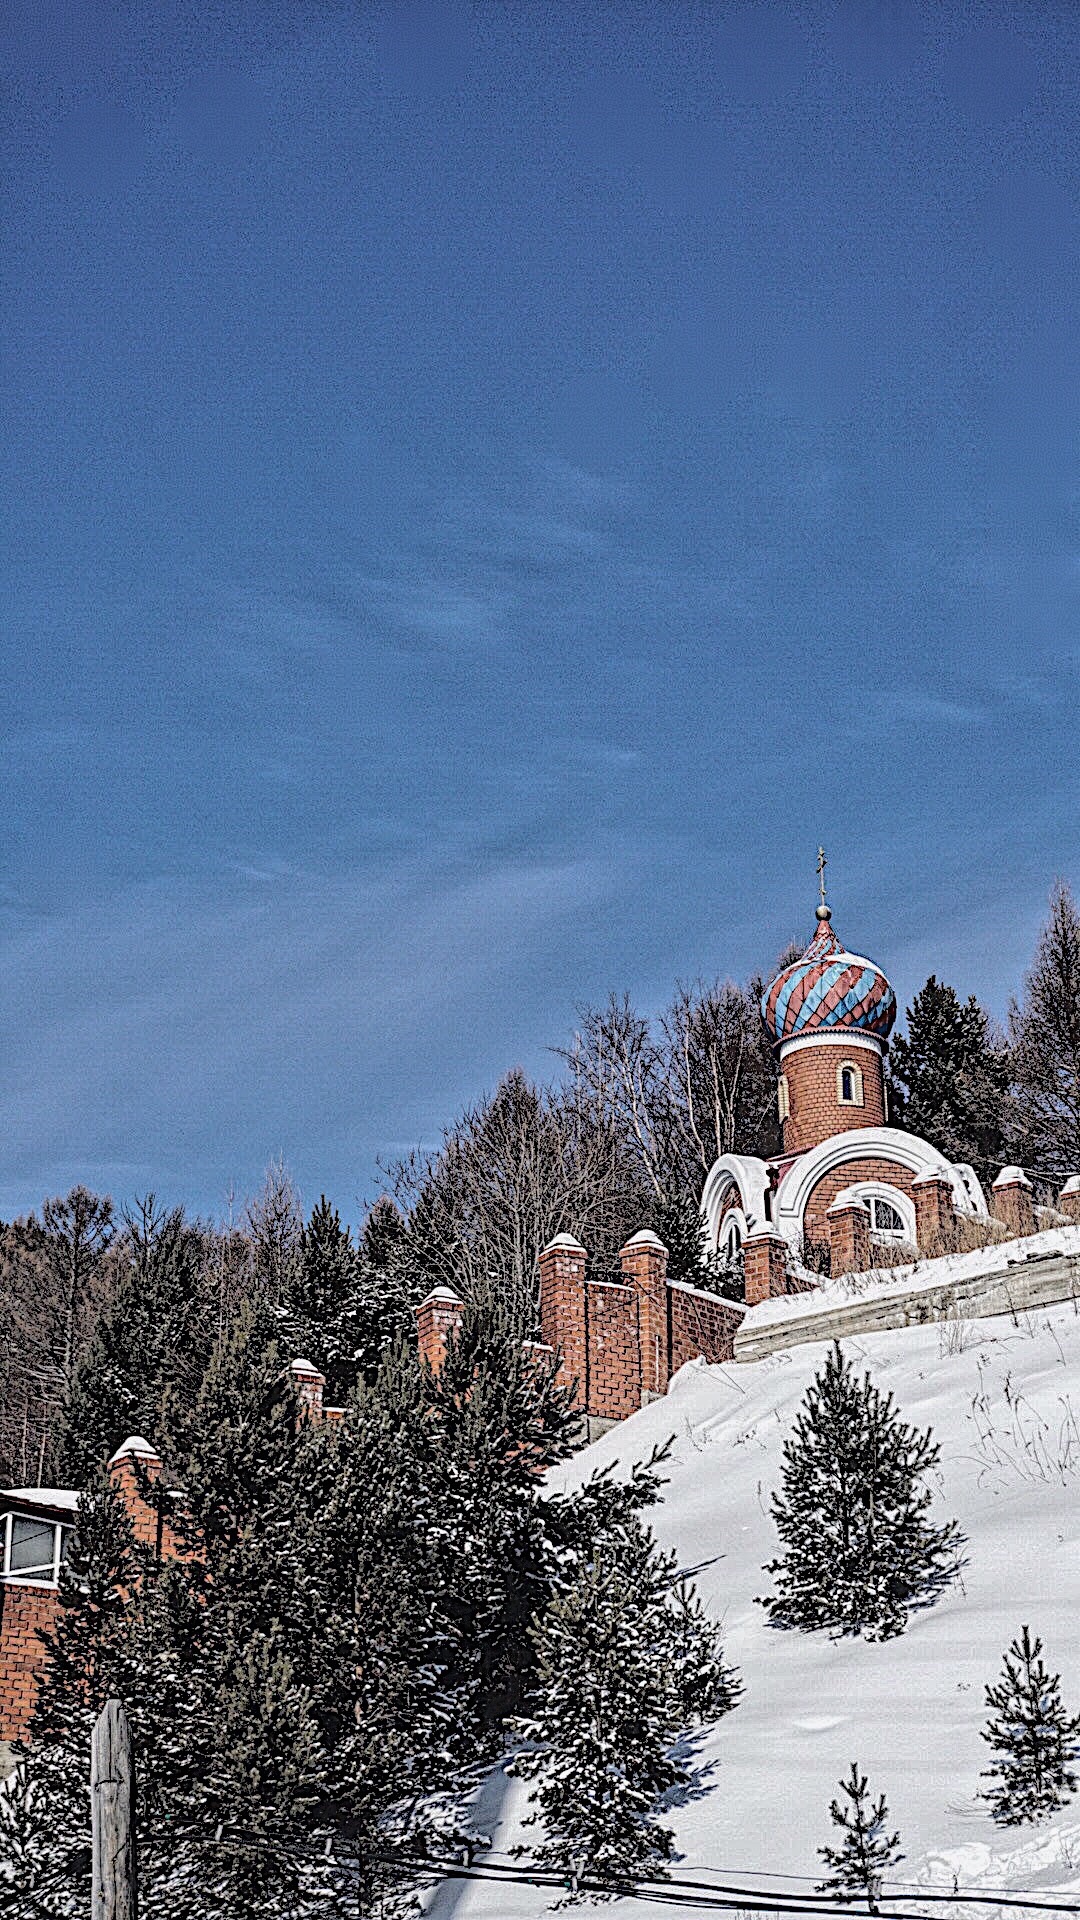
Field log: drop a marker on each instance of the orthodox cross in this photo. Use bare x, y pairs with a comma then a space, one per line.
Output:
822, 863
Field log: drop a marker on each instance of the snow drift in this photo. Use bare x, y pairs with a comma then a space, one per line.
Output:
1003, 1399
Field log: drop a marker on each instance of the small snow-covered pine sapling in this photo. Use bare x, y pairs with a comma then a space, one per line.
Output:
866, 1849
1035, 1741
860, 1548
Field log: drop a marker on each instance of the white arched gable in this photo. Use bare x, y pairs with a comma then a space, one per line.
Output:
869, 1143
750, 1180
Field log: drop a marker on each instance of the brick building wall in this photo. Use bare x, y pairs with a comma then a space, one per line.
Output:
816, 1112
852, 1174
25, 1612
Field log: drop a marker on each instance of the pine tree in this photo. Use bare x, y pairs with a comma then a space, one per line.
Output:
1045, 1031
1035, 1740
498, 1416
154, 1334
866, 1850
954, 1073
626, 1662
853, 1513
322, 1289
235, 1626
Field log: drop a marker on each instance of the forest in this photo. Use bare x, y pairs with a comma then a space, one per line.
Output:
364, 1614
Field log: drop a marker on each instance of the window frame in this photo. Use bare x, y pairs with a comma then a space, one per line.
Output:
33, 1576
783, 1097
899, 1232
856, 1098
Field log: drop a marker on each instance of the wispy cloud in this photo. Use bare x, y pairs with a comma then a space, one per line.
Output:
179, 1024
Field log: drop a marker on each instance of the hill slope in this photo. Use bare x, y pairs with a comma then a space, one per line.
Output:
1004, 1401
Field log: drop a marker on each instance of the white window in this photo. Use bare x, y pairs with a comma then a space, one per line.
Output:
885, 1219
733, 1242
783, 1100
34, 1549
849, 1084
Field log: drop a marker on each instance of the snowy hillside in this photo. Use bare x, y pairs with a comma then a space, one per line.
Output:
1004, 1401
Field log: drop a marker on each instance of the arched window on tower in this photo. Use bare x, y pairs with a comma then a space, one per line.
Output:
849, 1087
783, 1099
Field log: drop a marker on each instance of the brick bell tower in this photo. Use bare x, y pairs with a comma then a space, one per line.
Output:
829, 1016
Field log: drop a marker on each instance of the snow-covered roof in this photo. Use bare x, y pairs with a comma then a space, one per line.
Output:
63, 1499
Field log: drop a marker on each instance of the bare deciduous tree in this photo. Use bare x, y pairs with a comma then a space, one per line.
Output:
273, 1223
522, 1165
1045, 1034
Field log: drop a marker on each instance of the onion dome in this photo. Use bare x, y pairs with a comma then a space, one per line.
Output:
828, 991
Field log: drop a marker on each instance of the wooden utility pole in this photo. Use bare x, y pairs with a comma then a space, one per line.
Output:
112, 1792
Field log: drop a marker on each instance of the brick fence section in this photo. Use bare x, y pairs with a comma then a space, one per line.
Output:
614, 1354
700, 1324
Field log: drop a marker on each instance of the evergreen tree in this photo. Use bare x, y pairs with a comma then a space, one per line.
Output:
626, 1662
322, 1287
345, 1305
1036, 1742
236, 1628
853, 1513
498, 1417
866, 1849
680, 1224
155, 1333
954, 1076
1045, 1030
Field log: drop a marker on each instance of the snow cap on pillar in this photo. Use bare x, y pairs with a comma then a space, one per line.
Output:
134, 1447
563, 1243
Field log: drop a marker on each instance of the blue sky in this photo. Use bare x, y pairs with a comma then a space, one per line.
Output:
485, 491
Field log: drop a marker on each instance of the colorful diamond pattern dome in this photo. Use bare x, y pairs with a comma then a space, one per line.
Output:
827, 990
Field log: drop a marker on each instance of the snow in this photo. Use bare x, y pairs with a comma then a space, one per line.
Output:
948, 1269
63, 1499
1003, 1400
134, 1444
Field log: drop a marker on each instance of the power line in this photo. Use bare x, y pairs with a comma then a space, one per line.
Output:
722, 1896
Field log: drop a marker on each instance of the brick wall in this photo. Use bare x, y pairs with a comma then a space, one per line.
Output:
815, 1111
25, 1612
852, 1174
614, 1373
699, 1323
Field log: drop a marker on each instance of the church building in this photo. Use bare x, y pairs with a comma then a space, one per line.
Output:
829, 1016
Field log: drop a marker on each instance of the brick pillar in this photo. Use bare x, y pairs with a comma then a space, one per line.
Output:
849, 1234
644, 1263
935, 1213
438, 1318
1013, 1204
1069, 1197
562, 1307
309, 1384
128, 1479
765, 1266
